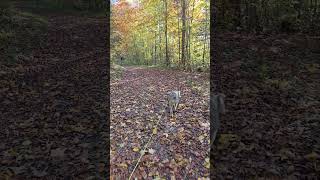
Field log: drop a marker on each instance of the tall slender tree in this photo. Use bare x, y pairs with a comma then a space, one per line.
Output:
166, 32
183, 30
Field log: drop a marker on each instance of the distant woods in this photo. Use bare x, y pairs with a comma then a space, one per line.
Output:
269, 15
75, 4
58, 5
171, 33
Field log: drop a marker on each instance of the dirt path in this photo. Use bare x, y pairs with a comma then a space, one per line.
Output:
54, 101
180, 146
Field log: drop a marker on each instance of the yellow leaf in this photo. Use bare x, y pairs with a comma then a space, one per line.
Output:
182, 106
201, 138
207, 163
154, 131
312, 156
135, 149
123, 165
227, 138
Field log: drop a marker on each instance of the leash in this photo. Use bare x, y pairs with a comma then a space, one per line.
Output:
144, 149
146, 145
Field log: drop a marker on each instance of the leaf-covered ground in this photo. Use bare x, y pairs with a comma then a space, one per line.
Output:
54, 101
179, 147
271, 128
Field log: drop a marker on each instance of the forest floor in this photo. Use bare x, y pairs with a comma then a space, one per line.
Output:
54, 101
271, 128
179, 146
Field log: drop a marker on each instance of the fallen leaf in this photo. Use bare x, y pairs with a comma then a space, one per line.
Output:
59, 152
201, 138
26, 143
207, 163
154, 131
182, 106
166, 135
123, 165
312, 156
142, 152
151, 151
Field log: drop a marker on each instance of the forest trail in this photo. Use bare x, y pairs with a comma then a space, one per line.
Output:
270, 129
57, 102
179, 147
52, 99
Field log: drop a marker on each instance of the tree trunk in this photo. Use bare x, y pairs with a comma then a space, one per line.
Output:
160, 55
166, 32
189, 34
183, 39
247, 16
223, 10
205, 37
155, 48
236, 12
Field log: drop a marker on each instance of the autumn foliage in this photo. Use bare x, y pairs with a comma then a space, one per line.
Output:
156, 32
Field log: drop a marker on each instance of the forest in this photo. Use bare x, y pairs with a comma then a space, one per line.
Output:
177, 33
269, 16
263, 61
156, 32
177, 67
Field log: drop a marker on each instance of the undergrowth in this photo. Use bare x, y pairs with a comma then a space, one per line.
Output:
116, 71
